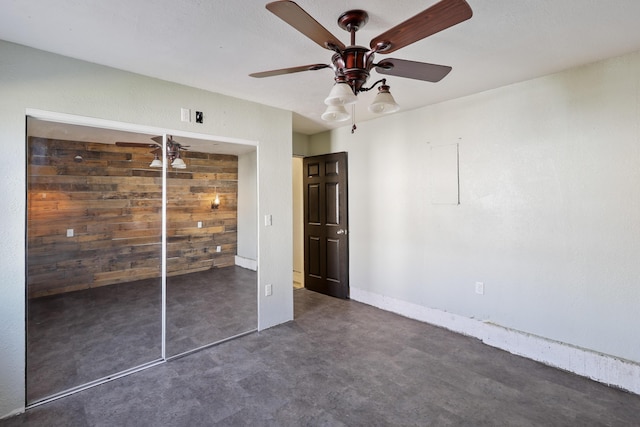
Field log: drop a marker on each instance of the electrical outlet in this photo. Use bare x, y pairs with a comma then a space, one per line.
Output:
268, 290
199, 224
199, 116
69, 232
479, 288
268, 220
218, 248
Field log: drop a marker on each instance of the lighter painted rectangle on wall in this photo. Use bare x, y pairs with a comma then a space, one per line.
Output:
444, 175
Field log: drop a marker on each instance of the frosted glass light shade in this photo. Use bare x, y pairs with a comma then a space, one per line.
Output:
341, 94
156, 163
384, 103
178, 163
335, 113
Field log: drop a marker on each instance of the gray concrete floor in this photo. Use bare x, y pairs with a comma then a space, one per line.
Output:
81, 336
342, 363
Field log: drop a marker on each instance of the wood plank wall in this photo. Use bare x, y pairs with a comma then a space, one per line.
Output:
113, 201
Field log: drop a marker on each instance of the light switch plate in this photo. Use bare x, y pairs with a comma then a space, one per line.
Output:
185, 114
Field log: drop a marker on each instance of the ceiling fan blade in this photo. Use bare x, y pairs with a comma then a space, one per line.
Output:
438, 17
136, 144
290, 70
295, 16
412, 69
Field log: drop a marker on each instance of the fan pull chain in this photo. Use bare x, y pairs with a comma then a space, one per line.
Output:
353, 118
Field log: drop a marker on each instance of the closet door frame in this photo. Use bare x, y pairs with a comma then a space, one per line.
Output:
69, 119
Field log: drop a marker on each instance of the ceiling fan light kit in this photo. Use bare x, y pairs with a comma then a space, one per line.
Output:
352, 64
178, 163
384, 103
172, 153
335, 113
341, 94
156, 163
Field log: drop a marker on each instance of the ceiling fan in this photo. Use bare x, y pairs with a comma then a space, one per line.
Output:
352, 64
172, 154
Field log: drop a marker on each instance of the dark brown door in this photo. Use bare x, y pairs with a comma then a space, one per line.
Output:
326, 228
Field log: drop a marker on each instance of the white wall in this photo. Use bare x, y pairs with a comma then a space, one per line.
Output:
300, 144
549, 217
39, 80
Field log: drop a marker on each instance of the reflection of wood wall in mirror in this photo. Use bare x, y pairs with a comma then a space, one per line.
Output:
112, 202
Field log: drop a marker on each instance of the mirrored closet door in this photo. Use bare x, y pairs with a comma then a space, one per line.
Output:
131, 254
94, 231
209, 298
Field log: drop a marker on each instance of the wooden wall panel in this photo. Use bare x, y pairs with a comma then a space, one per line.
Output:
112, 200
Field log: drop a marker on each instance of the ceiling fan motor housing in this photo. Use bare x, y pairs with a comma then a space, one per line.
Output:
354, 63
173, 149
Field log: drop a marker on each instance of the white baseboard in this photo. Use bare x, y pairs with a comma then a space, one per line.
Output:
600, 367
12, 414
250, 264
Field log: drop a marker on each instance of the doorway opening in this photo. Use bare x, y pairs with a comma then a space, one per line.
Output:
298, 223
321, 223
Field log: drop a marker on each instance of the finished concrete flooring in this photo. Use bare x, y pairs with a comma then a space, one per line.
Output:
78, 337
343, 363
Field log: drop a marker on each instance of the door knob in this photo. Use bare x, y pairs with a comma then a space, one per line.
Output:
341, 231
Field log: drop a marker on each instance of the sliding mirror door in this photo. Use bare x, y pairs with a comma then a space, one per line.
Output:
209, 297
94, 261
132, 256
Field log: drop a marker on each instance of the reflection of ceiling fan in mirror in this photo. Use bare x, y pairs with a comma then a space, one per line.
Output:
173, 151
352, 64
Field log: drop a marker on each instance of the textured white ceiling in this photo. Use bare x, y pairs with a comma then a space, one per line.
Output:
215, 44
